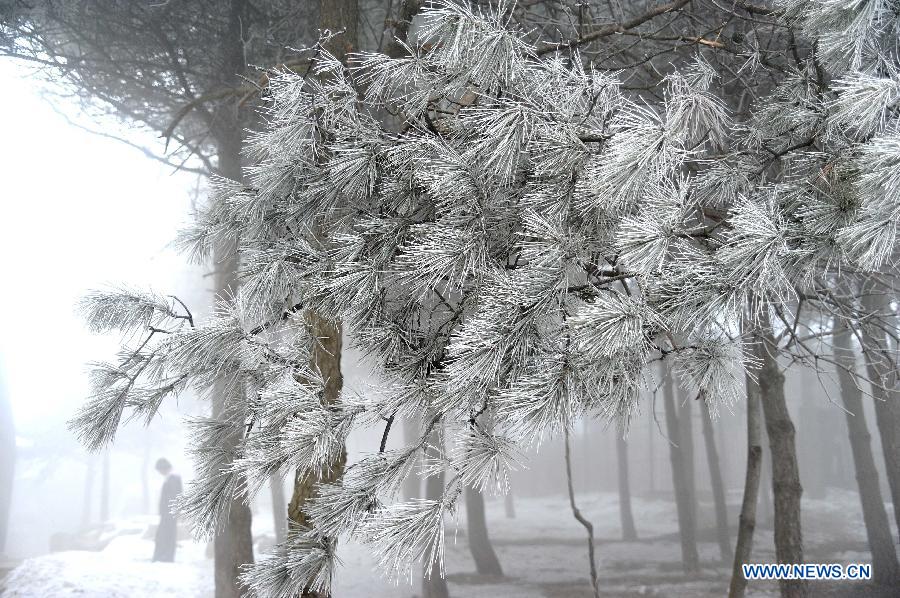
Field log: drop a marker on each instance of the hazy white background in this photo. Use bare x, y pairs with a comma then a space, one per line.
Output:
79, 211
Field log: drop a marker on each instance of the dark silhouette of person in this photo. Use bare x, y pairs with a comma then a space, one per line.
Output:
167, 532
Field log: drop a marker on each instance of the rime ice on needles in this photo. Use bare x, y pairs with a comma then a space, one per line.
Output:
512, 250
716, 367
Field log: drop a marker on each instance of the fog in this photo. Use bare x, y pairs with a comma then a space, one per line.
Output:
79, 212
82, 211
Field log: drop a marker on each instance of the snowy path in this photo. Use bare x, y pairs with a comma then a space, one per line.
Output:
542, 552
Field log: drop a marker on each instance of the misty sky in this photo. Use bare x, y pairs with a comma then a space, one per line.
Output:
79, 212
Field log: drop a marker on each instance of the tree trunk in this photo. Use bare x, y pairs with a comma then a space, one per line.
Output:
878, 529
509, 504
686, 443
104, 487
233, 544
625, 514
747, 519
407, 12
7, 464
579, 517
412, 485
718, 486
340, 15
880, 369
765, 487
279, 508
87, 507
334, 16
326, 359
687, 524
486, 562
145, 472
785, 471
651, 458
434, 585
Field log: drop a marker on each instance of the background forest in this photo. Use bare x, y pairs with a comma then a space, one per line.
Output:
535, 298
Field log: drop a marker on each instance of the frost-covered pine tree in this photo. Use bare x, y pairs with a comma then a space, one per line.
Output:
512, 258
831, 128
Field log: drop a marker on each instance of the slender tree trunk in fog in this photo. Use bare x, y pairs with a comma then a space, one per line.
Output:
880, 369
747, 519
87, 507
104, 488
588, 526
145, 472
651, 469
486, 562
627, 518
785, 471
279, 508
686, 443
433, 583
718, 486
7, 464
687, 524
765, 493
885, 568
412, 485
509, 504
233, 544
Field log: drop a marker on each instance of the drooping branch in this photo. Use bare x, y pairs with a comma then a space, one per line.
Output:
576, 512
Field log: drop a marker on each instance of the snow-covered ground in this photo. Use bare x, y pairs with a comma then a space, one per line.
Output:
542, 550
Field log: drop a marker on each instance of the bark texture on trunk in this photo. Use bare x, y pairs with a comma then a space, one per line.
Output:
304, 490
433, 583
486, 561
885, 569
326, 359
625, 514
7, 464
882, 371
747, 518
340, 16
687, 523
786, 486
718, 486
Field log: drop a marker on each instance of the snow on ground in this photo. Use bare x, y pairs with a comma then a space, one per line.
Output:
542, 550
106, 574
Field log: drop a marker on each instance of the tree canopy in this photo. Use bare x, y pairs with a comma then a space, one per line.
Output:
514, 256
